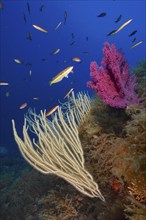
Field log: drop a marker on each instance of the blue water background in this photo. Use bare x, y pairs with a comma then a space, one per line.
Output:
83, 22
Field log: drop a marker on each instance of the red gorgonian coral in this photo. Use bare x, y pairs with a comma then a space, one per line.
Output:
113, 82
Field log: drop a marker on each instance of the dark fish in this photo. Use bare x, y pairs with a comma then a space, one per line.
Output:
87, 38
65, 16
1, 5
101, 15
28, 64
28, 36
28, 7
118, 19
134, 32
110, 33
24, 17
72, 35
134, 39
72, 43
85, 52
42, 7
44, 59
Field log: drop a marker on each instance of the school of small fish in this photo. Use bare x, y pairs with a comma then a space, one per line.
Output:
66, 71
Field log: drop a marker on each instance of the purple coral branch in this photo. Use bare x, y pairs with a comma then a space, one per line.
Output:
113, 81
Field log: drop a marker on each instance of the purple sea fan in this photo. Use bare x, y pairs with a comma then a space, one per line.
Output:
113, 82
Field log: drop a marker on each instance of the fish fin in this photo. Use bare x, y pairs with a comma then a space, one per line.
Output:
66, 76
72, 71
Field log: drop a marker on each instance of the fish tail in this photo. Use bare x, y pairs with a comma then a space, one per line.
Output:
50, 83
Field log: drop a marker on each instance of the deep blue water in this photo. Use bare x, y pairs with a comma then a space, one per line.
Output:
82, 21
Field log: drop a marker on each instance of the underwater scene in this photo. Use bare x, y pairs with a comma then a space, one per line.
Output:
72, 110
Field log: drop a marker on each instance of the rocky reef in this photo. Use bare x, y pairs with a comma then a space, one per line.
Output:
114, 145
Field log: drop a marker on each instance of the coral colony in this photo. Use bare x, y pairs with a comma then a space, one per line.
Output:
113, 82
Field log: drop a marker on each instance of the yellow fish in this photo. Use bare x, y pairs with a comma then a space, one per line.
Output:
121, 27
61, 75
39, 28
139, 42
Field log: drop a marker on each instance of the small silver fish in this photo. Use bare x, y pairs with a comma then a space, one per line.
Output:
18, 61
4, 83
55, 51
30, 73
58, 25
136, 44
122, 26
7, 94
